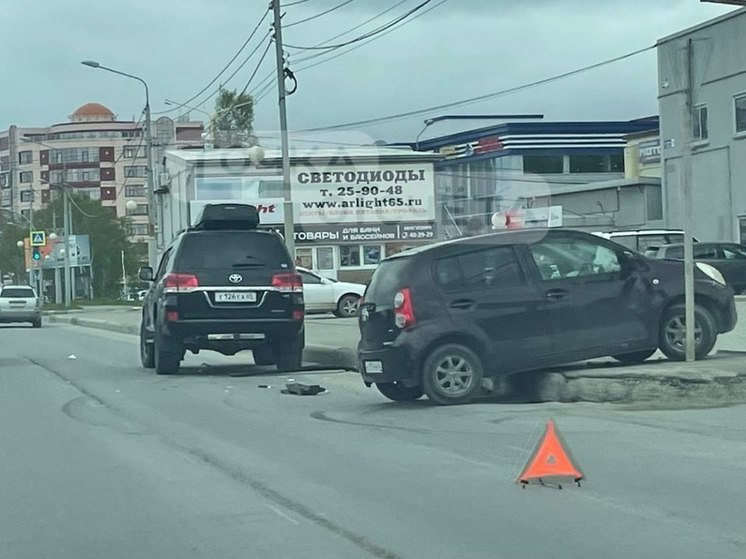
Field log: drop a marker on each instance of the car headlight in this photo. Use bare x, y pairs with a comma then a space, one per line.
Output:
711, 272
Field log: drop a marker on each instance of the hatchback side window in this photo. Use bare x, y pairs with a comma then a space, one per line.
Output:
572, 258
734, 253
492, 267
705, 252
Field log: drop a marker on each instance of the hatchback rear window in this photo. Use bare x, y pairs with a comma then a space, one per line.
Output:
234, 249
387, 280
17, 293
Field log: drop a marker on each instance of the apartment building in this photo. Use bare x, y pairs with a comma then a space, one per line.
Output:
94, 153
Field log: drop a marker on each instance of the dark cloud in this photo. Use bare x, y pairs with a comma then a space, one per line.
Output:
461, 49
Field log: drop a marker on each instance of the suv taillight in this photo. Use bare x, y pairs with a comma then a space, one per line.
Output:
288, 282
180, 282
403, 309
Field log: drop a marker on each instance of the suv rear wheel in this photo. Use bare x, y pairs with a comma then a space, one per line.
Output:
147, 353
673, 332
168, 355
452, 374
399, 392
263, 355
289, 356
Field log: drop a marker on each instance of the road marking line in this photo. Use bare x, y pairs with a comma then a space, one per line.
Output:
281, 514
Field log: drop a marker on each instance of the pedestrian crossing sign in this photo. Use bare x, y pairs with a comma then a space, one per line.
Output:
38, 238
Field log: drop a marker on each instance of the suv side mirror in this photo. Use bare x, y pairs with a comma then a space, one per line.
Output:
146, 273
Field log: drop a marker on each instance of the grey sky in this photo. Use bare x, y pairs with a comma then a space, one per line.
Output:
461, 49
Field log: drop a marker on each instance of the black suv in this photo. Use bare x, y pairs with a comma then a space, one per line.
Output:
438, 319
226, 286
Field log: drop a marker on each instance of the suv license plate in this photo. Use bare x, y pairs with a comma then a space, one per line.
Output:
236, 297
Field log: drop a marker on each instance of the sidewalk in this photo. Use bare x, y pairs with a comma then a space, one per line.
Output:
718, 380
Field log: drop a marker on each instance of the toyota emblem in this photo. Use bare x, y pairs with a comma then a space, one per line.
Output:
235, 278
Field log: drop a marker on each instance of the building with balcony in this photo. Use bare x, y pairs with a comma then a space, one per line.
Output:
95, 154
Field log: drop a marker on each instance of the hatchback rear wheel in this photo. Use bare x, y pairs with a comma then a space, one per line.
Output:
452, 374
399, 392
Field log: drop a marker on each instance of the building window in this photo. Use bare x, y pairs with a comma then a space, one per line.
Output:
138, 229
740, 107
591, 163
132, 152
543, 164
92, 193
699, 123
134, 191
74, 155
135, 171
25, 157
26, 176
27, 195
654, 202
352, 256
349, 255
141, 209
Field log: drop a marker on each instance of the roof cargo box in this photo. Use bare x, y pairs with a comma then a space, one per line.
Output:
222, 217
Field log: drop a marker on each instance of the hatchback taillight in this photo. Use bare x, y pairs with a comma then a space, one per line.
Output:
180, 282
288, 282
403, 309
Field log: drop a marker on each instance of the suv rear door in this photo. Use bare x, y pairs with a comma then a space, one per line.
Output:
233, 273
484, 287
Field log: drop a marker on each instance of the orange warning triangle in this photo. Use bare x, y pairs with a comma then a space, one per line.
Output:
550, 460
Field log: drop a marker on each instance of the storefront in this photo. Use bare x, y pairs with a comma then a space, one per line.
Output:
351, 206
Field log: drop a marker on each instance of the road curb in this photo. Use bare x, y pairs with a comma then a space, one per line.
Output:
325, 356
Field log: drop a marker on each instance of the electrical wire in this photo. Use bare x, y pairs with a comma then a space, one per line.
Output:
320, 14
479, 98
263, 90
294, 3
225, 68
367, 35
362, 44
259, 65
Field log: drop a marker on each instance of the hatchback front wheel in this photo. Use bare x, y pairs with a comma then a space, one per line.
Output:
452, 374
673, 332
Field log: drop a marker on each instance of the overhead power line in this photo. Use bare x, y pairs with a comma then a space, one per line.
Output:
294, 3
225, 68
479, 98
320, 14
364, 36
259, 65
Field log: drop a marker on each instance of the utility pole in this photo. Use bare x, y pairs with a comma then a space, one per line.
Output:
152, 242
687, 176
66, 227
289, 227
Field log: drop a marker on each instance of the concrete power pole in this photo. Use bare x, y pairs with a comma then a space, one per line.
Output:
687, 176
289, 227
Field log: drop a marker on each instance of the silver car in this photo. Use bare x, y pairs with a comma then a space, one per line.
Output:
19, 303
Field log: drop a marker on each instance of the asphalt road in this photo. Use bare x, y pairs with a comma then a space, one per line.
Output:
100, 458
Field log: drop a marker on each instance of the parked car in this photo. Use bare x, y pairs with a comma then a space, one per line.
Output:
225, 286
439, 318
640, 240
728, 258
327, 295
20, 303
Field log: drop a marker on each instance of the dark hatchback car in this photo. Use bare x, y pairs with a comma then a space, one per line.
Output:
728, 258
224, 286
437, 319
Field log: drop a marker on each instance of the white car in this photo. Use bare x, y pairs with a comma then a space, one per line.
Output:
640, 240
19, 303
327, 295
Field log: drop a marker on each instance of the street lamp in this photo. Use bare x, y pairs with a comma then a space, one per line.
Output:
148, 148
131, 205
20, 244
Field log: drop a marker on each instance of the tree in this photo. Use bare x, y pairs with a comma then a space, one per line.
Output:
233, 122
12, 257
108, 236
